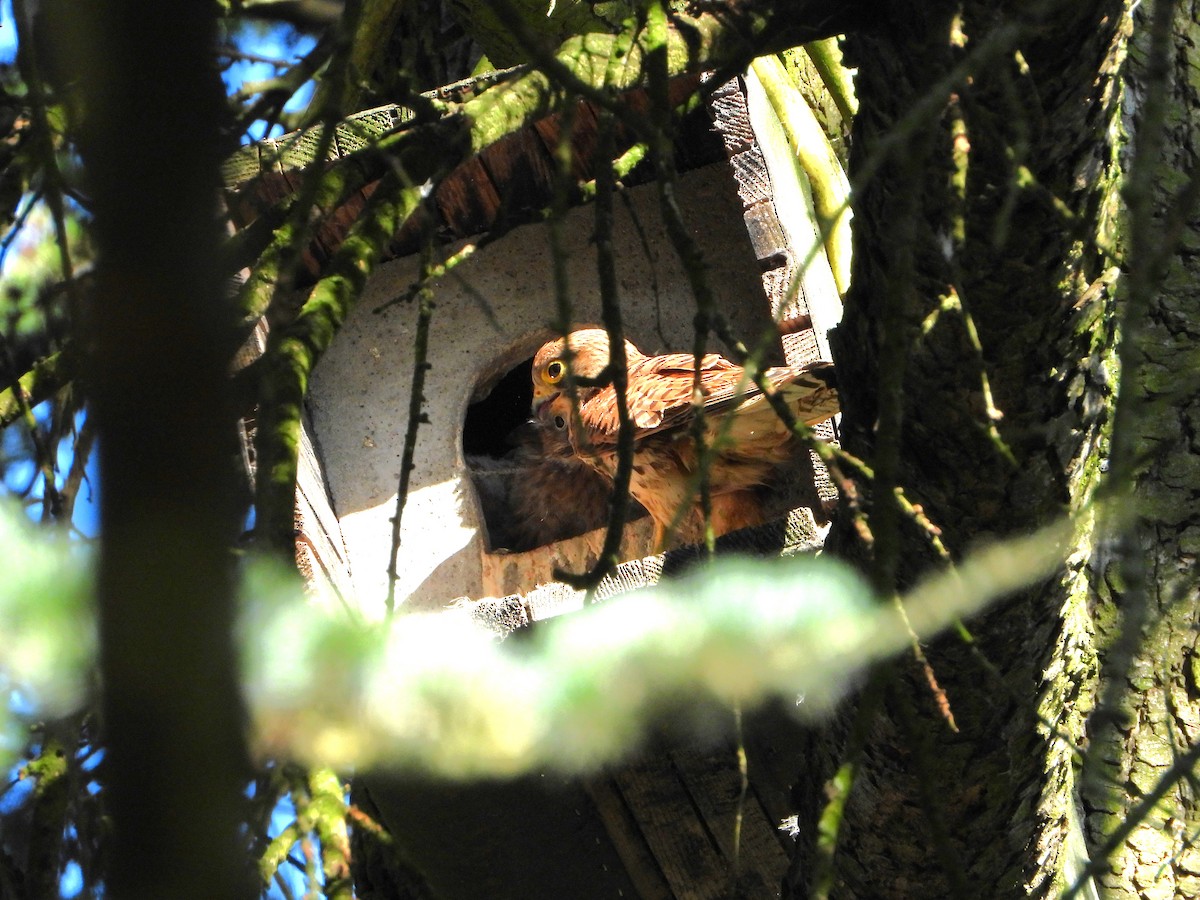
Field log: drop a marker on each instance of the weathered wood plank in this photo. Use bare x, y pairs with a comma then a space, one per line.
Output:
332, 230
767, 238
674, 832
467, 200
626, 835
775, 751
727, 105
801, 347
320, 552
786, 306
582, 137
533, 837
711, 777
750, 173
521, 168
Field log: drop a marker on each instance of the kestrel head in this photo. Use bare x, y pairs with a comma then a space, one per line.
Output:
554, 419
589, 356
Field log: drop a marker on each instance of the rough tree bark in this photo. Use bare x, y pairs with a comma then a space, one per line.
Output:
986, 242
1144, 750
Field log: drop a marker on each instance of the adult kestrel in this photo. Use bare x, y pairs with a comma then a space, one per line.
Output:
748, 438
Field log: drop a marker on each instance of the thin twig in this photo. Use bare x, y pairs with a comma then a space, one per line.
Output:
14, 230
416, 413
617, 369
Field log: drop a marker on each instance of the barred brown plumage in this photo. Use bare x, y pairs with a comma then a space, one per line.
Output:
748, 439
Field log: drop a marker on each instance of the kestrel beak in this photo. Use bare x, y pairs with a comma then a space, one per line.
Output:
541, 395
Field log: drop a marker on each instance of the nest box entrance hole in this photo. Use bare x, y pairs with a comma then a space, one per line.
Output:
491, 421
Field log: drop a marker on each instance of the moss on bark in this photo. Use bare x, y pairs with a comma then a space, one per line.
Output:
1010, 300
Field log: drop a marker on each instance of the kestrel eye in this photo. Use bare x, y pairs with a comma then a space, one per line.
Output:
555, 371
560, 423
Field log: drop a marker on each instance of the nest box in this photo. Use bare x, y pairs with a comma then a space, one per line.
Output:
492, 313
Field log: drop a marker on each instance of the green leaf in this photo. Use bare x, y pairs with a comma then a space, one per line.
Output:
439, 693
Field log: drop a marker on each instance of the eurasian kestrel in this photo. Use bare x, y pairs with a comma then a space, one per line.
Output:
748, 439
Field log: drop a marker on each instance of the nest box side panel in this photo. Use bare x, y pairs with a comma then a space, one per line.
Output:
792, 197
320, 551
360, 393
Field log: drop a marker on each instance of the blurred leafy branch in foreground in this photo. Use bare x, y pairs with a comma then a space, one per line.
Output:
439, 693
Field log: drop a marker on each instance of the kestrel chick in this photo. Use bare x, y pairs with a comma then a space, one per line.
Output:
748, 438
521, 494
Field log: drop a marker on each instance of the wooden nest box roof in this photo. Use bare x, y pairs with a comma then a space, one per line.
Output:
508, 183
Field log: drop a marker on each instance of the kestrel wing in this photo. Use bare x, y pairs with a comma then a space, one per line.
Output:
808, 390
810, 394
658, 393
753, 430
725, 387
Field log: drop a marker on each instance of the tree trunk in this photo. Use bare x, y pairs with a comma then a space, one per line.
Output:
1149, 717
976, 362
